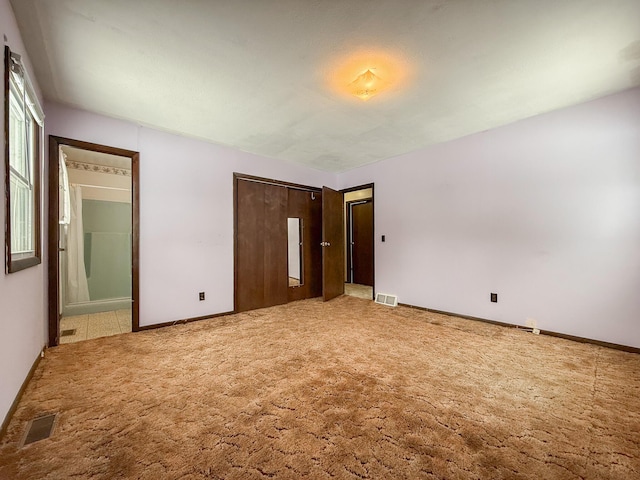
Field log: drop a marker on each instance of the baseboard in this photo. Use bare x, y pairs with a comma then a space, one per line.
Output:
600, 343
16, 401
185, 320
615, 346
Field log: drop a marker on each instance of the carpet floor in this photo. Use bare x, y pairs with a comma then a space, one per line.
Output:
345, 389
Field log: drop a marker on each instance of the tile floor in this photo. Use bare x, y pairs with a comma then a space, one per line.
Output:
360, 291
95, 325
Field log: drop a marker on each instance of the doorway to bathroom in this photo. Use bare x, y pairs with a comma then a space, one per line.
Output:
93, 244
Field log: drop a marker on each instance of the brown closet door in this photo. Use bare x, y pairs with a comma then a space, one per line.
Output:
261, 248
307, 206
333, 243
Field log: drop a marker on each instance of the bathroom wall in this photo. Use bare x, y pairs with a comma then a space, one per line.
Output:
107, 248
106, 214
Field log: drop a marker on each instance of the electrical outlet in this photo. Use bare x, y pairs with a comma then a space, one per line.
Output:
494, 297
201, 294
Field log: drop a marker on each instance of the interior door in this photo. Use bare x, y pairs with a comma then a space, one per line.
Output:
307, 206
332, 244
261, 245
362, 242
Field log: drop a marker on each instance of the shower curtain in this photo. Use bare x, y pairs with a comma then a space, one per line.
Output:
77, 287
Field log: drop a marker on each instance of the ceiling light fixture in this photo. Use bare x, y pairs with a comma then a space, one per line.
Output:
366, 73
366, 85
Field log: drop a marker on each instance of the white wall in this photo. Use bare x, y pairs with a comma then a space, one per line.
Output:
545, 212
186, 210
22, 319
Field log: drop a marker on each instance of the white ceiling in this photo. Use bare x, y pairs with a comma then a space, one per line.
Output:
258, 75
96, 158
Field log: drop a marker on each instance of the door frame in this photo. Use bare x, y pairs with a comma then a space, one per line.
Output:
373, 206
53, 272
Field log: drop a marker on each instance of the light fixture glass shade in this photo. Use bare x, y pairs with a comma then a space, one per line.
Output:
366, 85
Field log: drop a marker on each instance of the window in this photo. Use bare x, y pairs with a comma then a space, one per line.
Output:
23, 132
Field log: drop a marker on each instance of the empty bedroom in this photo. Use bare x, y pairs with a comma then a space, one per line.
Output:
284, 239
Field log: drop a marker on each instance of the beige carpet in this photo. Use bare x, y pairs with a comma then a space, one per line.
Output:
347, 389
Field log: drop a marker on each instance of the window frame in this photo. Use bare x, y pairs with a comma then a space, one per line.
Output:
34, 116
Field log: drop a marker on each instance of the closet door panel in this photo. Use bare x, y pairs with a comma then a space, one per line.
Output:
250, 246
297, 208
302, 205
276, 278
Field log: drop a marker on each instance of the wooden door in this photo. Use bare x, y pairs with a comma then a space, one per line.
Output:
332, 243
362, 242
261, 245
307, 206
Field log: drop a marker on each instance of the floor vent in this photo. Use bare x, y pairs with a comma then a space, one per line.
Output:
384, 299
68, 333
40, 428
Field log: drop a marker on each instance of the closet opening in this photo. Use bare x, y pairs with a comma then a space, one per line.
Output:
93, 241
288, 242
